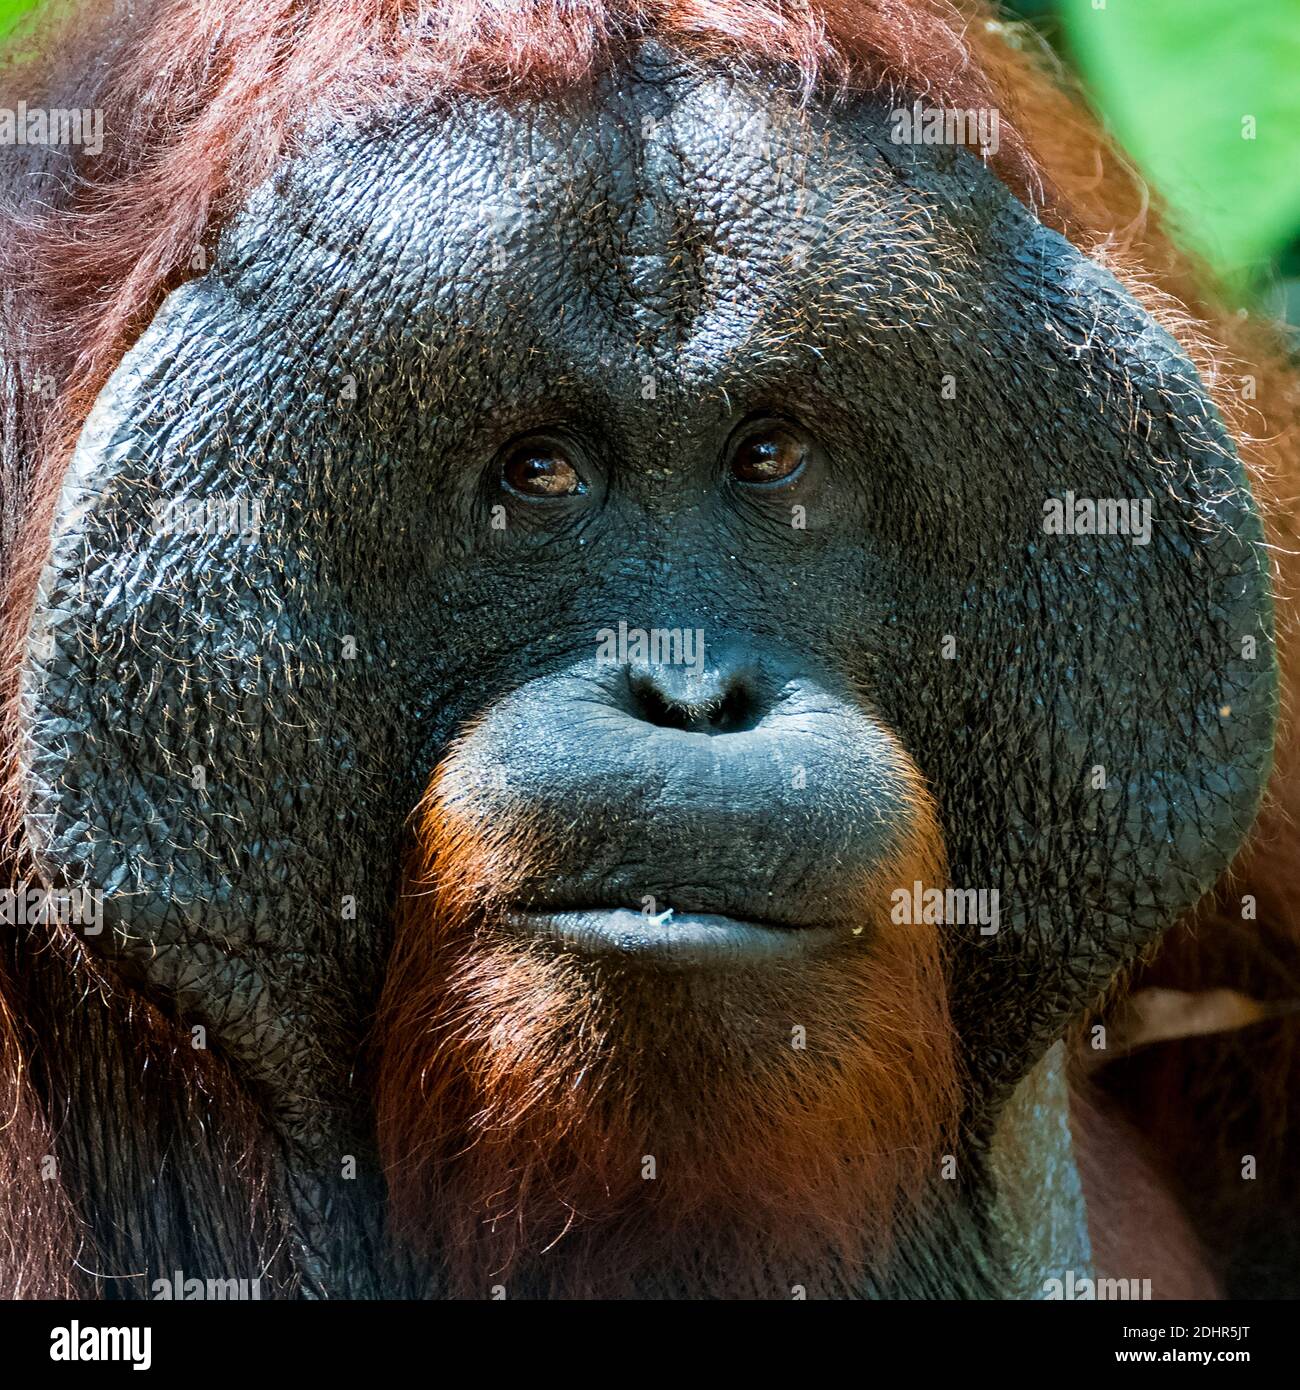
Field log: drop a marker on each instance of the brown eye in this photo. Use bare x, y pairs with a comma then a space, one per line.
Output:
539, 469
770, 454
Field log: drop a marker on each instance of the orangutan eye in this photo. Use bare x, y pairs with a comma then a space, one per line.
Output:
768, 455
540, 469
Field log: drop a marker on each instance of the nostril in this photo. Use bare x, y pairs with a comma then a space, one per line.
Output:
652, 706
733, 710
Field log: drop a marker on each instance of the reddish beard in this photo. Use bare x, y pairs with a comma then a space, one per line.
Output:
565, 1126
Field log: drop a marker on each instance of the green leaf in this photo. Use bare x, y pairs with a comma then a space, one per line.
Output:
11, 11
1205, 95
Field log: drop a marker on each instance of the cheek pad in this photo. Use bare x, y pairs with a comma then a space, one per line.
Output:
216, 736
1101, 743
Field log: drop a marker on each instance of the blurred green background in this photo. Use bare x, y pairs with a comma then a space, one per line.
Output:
1205, 95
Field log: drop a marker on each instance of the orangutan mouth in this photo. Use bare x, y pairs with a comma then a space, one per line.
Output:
670, 938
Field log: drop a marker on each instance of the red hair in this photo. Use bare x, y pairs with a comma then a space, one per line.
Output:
521, 1091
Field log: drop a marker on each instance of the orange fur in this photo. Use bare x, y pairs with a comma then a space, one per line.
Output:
521, 1090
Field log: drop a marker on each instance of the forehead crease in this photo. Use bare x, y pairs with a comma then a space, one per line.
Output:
696, 231
812, 240
476, 224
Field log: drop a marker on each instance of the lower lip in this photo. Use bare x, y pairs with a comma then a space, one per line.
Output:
681, 939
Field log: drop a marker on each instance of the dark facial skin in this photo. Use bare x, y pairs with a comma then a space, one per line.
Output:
501, 379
